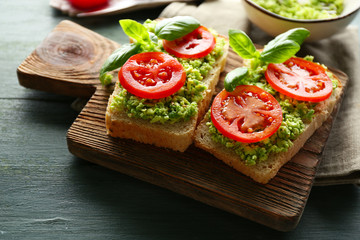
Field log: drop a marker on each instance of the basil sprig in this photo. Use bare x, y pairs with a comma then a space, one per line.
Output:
278, 50
117, 59
168, 29
234, 78
284, 46
135, 30
176, 27
242, 44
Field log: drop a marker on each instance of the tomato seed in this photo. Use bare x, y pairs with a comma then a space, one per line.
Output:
163, 74
150, 82
136, 74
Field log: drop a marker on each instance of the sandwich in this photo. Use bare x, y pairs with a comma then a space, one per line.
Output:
270, 107
167, 78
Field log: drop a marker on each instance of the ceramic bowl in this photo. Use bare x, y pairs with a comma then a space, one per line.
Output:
274, 24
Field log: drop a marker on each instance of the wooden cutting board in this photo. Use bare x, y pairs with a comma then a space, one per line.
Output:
68, 61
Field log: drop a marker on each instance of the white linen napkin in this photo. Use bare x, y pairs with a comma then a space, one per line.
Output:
341, 158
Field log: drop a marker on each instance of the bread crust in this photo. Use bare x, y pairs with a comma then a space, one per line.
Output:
177, 136
264, 171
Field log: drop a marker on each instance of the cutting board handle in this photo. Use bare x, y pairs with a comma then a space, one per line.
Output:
67, 62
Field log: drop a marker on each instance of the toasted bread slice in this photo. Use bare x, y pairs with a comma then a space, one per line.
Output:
177, 136
264, 171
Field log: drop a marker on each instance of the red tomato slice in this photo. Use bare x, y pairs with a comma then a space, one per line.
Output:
88, 4
300, 79
152, 75
196, 44
248, 114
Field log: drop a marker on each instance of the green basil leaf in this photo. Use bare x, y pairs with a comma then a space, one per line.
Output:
135, 30
284, 45
242, 44
176, 27
280, 52
297, 35
153, 37
116, 60
234, 78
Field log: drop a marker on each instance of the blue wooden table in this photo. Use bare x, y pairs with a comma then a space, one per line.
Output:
47, 193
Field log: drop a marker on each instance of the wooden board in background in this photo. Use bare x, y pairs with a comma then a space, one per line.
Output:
194, 173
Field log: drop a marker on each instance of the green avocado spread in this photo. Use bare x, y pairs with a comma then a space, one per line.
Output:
303, 9
295, 115
180, 106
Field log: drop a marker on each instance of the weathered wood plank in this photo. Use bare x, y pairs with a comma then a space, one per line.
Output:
67, 61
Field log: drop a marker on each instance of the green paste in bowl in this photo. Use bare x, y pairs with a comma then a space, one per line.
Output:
303, 9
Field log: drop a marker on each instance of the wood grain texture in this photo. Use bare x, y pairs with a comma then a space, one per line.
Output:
194, 173
67, 62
